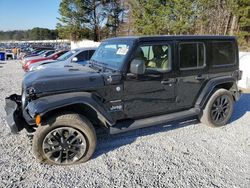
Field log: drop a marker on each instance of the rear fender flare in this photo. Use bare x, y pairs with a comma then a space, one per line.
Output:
208, 90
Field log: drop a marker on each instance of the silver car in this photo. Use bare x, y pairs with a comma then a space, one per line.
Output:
79, 55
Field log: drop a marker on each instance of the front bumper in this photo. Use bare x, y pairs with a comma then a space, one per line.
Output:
14, 117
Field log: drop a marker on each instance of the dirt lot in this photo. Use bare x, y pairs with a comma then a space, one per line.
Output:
187, 154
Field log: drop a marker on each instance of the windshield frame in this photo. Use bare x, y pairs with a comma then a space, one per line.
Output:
122, 63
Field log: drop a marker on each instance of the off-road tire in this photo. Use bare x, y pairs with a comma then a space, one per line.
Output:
75, 121
206, 116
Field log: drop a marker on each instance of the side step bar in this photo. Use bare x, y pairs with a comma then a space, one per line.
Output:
156, 120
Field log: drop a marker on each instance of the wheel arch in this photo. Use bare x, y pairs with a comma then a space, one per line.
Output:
82, 103
78, 108
228, 83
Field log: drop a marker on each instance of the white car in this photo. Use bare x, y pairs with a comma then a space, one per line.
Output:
245, 68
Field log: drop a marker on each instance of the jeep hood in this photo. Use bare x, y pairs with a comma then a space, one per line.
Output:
65, 79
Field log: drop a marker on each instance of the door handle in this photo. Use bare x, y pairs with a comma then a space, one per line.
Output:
199, 77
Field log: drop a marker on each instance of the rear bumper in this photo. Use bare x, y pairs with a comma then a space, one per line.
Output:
14, 116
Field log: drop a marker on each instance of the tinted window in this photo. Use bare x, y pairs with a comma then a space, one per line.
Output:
49, 53
156, 57
223, 53
82, 56
91, 52
192, 55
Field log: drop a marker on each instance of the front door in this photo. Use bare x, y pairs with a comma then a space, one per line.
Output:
154, 92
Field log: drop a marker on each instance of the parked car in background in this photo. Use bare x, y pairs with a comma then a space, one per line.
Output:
44, 53
80, 56
9, 55
53, 56
29, 52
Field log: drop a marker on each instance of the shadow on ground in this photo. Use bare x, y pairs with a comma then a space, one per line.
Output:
107, 143
241, 107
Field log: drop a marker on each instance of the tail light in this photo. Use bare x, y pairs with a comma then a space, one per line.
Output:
240, 75
237, 74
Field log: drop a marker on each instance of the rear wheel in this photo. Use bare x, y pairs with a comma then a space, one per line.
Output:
66, 139
219, 109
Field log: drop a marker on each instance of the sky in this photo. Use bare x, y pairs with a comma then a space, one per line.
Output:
27, 14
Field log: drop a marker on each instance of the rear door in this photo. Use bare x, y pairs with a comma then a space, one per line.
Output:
193, 72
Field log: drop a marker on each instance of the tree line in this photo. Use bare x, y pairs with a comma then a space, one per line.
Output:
98, 19
32, 34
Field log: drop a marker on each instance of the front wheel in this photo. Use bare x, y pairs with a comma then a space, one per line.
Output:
219, 109
66, 139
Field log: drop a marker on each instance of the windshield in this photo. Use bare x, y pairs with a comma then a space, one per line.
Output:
112, 54
67, 55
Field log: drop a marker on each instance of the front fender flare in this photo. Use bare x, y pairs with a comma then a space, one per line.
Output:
46, 104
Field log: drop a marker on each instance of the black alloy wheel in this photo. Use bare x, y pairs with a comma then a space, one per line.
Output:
64, 145
220, 109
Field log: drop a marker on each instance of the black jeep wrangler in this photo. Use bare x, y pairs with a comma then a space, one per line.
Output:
129, 83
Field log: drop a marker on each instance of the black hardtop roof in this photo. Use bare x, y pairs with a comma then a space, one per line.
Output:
174, 37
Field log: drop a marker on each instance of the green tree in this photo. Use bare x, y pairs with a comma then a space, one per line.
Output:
162, 17
89, 18
72, 19
242, 29
33, 34
114, 12
80, 18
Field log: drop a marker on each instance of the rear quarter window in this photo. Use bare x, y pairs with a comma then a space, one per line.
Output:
223, 53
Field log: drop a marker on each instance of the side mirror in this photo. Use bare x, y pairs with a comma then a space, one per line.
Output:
75, 59
137, 66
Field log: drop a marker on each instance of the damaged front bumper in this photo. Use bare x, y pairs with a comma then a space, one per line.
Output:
15, 117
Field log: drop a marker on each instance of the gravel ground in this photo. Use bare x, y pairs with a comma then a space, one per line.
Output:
187, 154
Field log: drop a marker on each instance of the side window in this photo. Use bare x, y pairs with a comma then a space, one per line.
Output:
49, 53
156, 57
192, 55
82, 56
91, 52
223, 53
